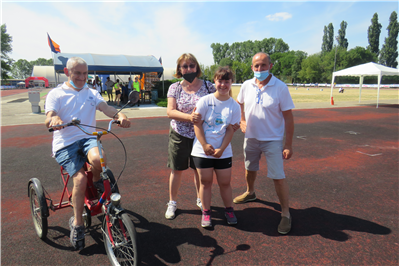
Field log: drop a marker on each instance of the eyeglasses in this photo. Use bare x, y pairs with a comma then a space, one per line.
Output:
188, 66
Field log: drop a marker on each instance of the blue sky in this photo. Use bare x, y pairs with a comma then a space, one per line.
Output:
169, 28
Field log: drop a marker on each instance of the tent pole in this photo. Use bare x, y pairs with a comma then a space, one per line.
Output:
332, 85
378, 92
163, 84
360, 87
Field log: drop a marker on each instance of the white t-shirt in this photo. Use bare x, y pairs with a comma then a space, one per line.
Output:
218, 115
263, 108
69, 104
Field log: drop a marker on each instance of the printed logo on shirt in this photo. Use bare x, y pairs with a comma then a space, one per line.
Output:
211, 104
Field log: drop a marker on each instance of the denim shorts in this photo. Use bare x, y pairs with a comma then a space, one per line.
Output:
273, 151
73, 157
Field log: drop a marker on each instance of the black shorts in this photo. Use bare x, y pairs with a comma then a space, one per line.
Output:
212, 163
117, 92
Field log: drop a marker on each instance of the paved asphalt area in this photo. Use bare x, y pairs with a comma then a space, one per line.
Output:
343, 181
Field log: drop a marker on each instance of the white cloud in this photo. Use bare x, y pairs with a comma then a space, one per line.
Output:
106, 28
281, 16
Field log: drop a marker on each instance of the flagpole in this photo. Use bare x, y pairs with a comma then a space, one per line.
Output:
55, 74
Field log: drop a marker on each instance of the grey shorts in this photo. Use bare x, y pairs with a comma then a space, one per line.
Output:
179, 151
273, 151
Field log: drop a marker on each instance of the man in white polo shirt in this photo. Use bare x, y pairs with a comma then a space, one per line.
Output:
265, 114
72, 147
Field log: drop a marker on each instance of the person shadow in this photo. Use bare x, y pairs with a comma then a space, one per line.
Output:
159, 243
306, 222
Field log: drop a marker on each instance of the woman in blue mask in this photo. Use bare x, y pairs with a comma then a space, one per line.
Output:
182, 98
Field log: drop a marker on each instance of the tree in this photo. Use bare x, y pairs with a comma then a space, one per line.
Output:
244, 51
6, 48
311, 71
21, 69
226, 62
389, 51
242, 71
328, 38
342, 41
42, 62
296, 66
374, 32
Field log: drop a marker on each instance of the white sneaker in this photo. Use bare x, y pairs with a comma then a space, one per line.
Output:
199, 203
170, 212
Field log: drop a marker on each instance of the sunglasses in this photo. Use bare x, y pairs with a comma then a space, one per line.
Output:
188, 66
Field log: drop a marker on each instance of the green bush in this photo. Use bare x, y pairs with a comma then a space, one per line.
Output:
162, 102
160, 89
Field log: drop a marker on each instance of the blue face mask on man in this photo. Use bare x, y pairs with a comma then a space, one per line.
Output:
73, 85
261, 75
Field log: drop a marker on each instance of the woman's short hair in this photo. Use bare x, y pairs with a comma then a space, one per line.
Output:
224, 73
187, 57
73, 61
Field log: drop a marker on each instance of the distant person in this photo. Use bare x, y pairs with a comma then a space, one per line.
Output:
97, 85
118, 92
109, 83
182, 98
136, 87
89, 84
124, 96
266, 112
341, 90
212, 149
130, 86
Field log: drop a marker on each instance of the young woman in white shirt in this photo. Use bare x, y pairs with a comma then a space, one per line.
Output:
212, 149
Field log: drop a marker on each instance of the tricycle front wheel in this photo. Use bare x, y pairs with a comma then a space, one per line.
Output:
123, 248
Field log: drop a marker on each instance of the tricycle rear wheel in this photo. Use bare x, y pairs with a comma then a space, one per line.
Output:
38, 207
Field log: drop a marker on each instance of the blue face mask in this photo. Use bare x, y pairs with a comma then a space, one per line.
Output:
261, 75
73, 85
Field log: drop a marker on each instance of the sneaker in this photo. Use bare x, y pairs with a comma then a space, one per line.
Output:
285, 225
245, 198
230, 216
170, 212
99, 185
206, 218
199, 203
77, 236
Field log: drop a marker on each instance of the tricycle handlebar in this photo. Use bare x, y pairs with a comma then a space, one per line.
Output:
76, 122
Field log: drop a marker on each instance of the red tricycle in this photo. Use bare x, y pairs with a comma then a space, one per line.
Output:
119, 233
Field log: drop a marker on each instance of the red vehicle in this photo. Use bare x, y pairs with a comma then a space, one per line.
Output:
119, 233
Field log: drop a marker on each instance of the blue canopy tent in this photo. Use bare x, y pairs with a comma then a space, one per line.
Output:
111, 64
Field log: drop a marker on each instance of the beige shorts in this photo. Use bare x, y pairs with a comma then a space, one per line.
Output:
273, 151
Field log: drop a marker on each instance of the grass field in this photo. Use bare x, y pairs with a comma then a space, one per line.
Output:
302, 95
314, 95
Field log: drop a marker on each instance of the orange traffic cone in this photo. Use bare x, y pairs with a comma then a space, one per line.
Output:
332, 101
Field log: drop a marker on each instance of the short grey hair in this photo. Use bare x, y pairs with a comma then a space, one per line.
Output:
74, 61
267, 55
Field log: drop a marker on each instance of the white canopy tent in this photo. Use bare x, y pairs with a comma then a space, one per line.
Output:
368, 69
